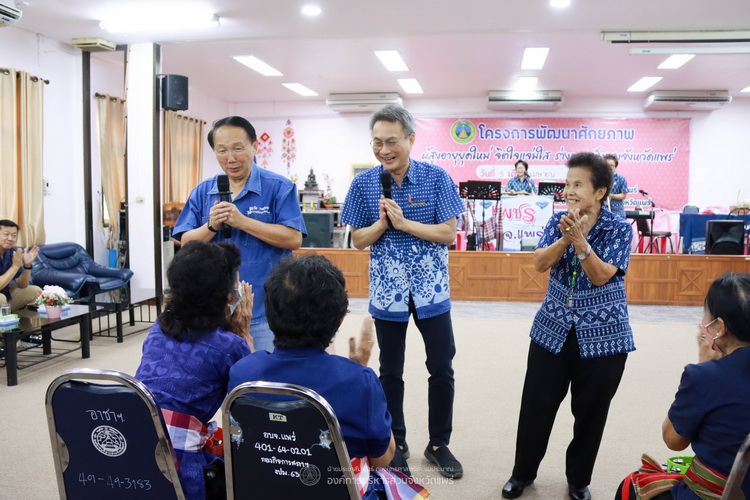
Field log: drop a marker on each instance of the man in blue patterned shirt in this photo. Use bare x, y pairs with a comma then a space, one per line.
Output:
408, 237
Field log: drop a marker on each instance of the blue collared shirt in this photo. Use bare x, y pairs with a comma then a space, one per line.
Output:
599, 313
619, 186
401, 263
267, 197
6, 261
526, 184
712, 410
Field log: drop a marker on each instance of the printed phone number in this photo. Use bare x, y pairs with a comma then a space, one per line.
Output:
282, 449
124, 483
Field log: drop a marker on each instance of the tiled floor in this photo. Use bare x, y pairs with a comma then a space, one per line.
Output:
527, 310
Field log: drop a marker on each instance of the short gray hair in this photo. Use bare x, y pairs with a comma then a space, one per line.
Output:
392, 113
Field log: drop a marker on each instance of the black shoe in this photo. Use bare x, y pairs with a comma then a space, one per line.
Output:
448, 465
34, 339
398, 462
579, 493
514, 488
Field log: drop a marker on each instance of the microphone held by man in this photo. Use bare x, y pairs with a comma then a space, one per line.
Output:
225, 194
385, 181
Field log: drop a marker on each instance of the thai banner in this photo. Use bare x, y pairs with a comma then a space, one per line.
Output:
654, 153
524, 217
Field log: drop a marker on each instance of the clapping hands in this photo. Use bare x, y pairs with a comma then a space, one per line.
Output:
359, 349
243, 313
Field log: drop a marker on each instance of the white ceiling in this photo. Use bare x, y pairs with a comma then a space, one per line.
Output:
455, 49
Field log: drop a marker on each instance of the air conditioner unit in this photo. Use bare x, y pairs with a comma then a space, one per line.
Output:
686, 100
512, 100
9, 14
715, 36
93, 44
362, 103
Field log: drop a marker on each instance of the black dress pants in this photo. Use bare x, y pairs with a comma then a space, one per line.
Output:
593, 382
439, 345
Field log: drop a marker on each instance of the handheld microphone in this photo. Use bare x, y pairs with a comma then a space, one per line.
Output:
222, 184
385, 181
644, 193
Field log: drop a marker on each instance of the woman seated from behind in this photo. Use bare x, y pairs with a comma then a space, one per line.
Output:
711, 410
202, 332
306, 302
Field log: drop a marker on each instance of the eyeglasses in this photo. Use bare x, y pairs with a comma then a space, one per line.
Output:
704, 328
377, 144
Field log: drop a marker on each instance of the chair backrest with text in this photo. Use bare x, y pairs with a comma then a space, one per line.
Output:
284, 442
109, 439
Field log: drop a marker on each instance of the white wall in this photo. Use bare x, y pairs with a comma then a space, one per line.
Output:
719, 169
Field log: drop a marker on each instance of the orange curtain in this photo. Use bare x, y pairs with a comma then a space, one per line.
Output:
21, 153
183, 156
111, 124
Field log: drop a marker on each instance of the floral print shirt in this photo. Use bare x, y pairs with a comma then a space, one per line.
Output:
401, 263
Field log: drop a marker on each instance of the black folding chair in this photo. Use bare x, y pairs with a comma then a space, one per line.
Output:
733, 489
284, 442
645, 228
109, 440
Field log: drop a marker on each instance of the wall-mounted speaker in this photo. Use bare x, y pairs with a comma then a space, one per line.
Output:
174, 92
724, 237
319, 229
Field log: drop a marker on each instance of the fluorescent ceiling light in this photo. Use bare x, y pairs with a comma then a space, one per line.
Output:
158, 19
644, 83
559, 4
633, 51
256, 64
300, 89
526, 83
533, 58
746, 89
410, 85
392, 60
675, 61
311, 10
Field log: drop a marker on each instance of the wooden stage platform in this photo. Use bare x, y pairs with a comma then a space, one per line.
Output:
662, 279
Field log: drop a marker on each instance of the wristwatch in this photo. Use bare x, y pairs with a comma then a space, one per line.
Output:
584, 255
210, 228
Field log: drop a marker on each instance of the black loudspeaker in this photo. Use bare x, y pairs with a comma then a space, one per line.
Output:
319, 229
174, 93
724, 237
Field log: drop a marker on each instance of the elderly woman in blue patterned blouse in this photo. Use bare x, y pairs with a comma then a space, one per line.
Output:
522, 183
581, 335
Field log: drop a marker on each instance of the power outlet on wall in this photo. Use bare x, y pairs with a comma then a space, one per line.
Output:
47, 188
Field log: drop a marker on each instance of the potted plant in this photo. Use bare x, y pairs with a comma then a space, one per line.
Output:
330, 202
52, 298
